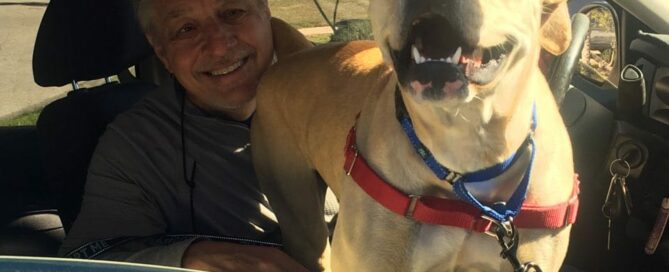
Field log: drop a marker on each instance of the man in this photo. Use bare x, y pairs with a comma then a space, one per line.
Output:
178, 162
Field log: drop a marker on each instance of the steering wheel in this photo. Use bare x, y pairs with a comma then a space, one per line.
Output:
563, 67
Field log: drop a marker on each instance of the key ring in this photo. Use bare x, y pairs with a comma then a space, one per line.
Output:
624, 163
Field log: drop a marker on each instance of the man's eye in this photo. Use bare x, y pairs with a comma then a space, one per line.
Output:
233, 15
185, 29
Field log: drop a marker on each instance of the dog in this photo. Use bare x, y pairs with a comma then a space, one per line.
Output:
466, 75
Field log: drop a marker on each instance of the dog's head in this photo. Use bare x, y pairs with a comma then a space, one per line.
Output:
452, 50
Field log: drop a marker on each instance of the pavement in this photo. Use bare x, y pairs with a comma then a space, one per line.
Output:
19, 94
316, 30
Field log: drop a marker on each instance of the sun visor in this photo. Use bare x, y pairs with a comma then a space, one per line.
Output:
85, 40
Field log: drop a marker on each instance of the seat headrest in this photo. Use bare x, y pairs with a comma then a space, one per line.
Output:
85, 40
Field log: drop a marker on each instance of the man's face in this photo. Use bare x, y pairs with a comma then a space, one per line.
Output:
217, 49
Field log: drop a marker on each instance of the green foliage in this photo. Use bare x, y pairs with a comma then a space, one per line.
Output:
602, 19
303, 13
28, 119
319, 38
607, 55
355, 29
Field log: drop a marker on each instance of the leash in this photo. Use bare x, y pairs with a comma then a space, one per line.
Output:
499, 219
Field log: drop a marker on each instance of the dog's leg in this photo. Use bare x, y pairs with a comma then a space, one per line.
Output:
293, 188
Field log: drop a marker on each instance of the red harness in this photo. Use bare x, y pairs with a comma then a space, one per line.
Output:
449, 212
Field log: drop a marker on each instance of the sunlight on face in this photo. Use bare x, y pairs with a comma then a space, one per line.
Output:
217, 49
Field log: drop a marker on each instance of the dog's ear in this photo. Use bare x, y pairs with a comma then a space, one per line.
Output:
555, 26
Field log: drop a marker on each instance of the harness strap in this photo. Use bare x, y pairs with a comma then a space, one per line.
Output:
450, 212
501, 211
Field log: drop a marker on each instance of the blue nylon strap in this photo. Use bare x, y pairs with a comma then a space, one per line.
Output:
439, 170
500, 212
429, 160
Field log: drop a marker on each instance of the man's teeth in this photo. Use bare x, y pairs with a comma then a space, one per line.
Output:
418, 58
228, 69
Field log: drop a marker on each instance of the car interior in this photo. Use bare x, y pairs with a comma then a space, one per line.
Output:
618, 121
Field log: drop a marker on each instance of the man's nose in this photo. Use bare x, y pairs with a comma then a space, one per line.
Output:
219, 38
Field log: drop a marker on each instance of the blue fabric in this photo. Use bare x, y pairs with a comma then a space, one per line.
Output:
498, 211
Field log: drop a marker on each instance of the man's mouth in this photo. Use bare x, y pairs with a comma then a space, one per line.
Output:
228, 69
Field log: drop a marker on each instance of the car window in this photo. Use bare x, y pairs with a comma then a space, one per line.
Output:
21, 99
600, 56
318, 19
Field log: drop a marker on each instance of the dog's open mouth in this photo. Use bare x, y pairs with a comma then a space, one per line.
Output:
440, 63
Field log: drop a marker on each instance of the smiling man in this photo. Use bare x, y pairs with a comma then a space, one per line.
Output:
171, 181
216, 49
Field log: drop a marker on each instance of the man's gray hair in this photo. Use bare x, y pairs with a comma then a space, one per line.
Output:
145, 15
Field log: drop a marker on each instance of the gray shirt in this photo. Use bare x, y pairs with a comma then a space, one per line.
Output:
137, 203
136, 185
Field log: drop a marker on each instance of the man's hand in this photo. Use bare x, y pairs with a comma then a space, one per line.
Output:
223, 256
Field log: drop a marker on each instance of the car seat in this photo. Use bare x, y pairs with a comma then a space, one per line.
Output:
84, 40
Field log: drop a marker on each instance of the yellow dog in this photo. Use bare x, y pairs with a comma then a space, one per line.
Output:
465, 74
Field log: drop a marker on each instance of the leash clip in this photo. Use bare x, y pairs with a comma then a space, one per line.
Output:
509, 239
496, 225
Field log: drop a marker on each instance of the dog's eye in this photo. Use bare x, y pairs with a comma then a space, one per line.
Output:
233, 16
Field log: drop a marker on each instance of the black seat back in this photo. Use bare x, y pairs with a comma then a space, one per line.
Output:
69, 129
83, 40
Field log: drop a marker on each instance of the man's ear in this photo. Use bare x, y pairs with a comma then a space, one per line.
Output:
555, 26
159, 49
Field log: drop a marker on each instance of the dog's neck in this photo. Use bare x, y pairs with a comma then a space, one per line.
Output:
475, 135
492, 129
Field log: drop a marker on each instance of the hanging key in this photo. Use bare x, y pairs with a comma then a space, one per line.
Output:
608, 209
620, 175
616, 193
608, 236
622, 184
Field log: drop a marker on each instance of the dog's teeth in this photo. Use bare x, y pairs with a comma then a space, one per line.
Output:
477, 56
416, 54
457, 55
